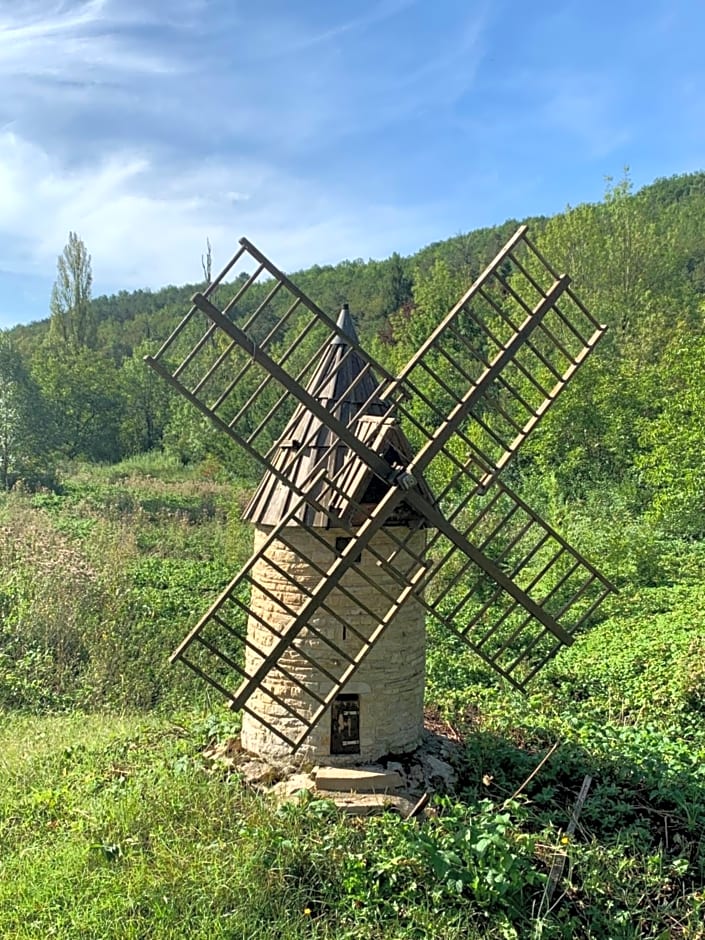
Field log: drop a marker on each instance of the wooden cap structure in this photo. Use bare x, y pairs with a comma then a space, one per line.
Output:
348, 388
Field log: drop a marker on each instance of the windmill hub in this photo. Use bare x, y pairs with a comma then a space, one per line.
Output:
404, 480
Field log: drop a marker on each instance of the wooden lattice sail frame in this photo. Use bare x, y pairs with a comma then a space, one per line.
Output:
491, 571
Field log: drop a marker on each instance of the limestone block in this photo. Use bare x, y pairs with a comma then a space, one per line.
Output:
357, 780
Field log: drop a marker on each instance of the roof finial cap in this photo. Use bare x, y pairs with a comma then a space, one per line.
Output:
346, 326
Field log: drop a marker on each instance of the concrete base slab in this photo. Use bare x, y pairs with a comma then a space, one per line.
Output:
393, 785
357, 780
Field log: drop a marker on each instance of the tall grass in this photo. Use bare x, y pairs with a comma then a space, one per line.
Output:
99, 583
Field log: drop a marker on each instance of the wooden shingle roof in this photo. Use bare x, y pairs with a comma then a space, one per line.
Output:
346, 386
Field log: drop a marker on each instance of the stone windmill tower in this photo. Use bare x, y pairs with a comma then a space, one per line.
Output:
381, 511
380, 711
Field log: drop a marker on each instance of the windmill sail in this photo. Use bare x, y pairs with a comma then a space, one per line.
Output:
239, 366
493, 367
494, 573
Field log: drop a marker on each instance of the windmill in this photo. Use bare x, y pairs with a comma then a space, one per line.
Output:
380, 511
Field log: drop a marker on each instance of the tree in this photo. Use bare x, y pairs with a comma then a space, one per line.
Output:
73, 321
84, 391
397, 284
147, 403
438, 381
618, 262
673, 464
619, 265
25, 428
435, 292
207, 263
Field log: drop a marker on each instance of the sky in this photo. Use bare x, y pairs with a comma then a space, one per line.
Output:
319, 129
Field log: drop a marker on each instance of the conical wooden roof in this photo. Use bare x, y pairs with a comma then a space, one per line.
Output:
347, 387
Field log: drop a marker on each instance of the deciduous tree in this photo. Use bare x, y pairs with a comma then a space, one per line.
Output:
84, 392
25, 428
72, 318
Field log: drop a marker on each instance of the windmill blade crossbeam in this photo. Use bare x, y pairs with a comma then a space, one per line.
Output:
537, 559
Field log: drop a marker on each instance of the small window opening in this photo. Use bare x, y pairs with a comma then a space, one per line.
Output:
341, 543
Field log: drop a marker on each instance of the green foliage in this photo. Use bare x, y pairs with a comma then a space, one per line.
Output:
645, 661
114, 827
673, 458
101, 579
26, 430
147, 404
73, 323
133, 807
82, 391
117, 827
635, 259
434, 293
626, 260
101, 582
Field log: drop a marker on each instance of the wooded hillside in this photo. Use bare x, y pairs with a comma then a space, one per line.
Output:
633, 419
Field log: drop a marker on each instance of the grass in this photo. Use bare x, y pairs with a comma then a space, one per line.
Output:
112, 824
115, 829
103, 579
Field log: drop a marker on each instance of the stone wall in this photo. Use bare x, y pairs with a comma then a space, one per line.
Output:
390, 680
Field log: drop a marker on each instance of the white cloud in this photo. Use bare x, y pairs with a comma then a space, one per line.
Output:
320, 131
146, 224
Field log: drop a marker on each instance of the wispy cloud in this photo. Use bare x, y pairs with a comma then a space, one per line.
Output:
320, 130
190, 164
55, 40
282, 37
143, 229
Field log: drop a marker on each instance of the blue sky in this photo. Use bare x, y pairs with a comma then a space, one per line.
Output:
321, 130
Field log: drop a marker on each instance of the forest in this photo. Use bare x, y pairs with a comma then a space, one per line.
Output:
120, 520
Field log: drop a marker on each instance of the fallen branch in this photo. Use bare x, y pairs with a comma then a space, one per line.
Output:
531, 775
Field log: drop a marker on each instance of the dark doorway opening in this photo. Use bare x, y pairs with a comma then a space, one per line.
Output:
345, 725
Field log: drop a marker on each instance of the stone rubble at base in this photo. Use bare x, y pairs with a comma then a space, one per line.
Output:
429, 769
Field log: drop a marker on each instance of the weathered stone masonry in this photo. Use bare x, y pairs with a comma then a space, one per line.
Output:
390, 681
